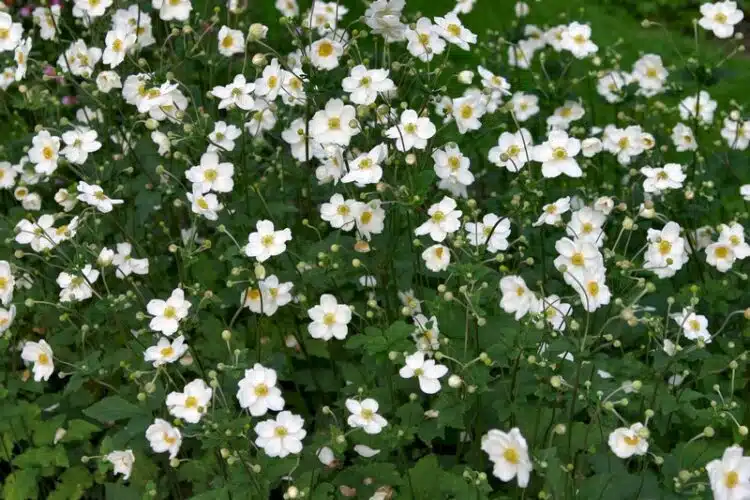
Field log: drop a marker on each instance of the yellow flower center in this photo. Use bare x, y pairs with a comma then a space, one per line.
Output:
587, 227
579, 39
99, 195
439, 252
261, 390
513, 151
342, 210
651, 73
4, 34
202, 203
273, 80
454, 30
454, 163
334, 123
559, 153
117, 45
3, 283
365, 82
423, 38
631, 441
520, 291
252, 294
623, 142
665, 247
329, 319
191, 402
325, 49
267, 240
438, 216
732, 479
48, 153
419, 372
511, 455
170, 312
280, 431
227, 42
365, 164
466, 111
42, 359
169, 439
367, 414
167, 351
566, 112
210, 175
721, 252
735, 240
694, 324
577, 259
662, 175
720, 17
593, 288
366, 217
410, 128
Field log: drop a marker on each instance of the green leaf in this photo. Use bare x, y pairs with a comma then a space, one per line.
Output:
79, 430
112, 409
21, 485
45, 456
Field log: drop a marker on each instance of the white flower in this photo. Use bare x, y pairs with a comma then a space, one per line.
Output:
211, 175
427, 334
230, 41
736, 132
516, 297
7, 175
32, 201
238, 93
557, 155
165, 351
163, 437
173, 10
204, 204
7, 282
44, 152
12, 32
593, 289
552, 212
492, 232
524, 105
412, 131
288, 8
302, 146
587, 224
384, 18
467, 112
512, 151
451, 28
509, 454
521, 9
734, 234
162, 141
268, 297
93, 195
699, 106
6, 318
123, 462
720, 17
77, 287
661, 179
336, 124
364, 85
257, 391
444, 220
190, 404
745, 192
39, 353
47, 17
410, 301
450, 163
329, 319
222, 137
340, 213
38, 234
565, 115
79, 143
730, 475
282, 436
117, 43
670, 348
436, 257
365, 451
427, 372
79, 59
90, 8
683, 138
650, 73
694, 326
364, 414
577, 256
611, 85
555, 311
108, 80
266, 242
721, 255
423, 41
168, 314
577, 39
365, 169
628, 441
667, 251
21, 56
126, 264
270, 82
370, 219
324, 53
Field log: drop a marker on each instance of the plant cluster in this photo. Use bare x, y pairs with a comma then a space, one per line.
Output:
330, 258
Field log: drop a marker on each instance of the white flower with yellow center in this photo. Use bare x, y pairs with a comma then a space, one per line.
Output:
509, 454
230, 41
164, 438
282, 436
266, 242
730, 475
165, 351
192, 403
557, 155
427, 372
694, 326
364, 415
444, 220
167, 314
257, 391
628, 441
39, 353
329, 319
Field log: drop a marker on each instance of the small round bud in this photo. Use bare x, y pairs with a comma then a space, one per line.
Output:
226, 335
455, 381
